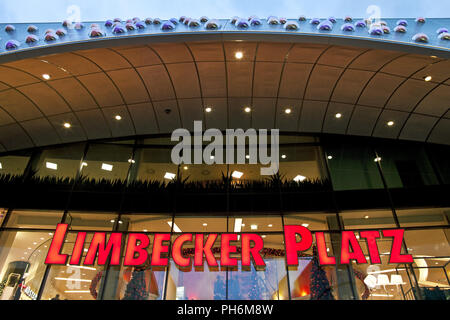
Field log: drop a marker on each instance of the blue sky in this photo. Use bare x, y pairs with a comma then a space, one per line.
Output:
89, 10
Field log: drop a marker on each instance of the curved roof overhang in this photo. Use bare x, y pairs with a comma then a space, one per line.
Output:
141, 76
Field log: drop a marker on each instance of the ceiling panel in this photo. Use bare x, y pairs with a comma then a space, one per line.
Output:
139, 56
191, 110
13, 77
306, 53
340, 56
240, 79
5, 118
144, 118
72, 134
18, 106
418, 127
288, 122
407, 65
122, 128
350, 85
238, 118
363, 121
266, 79
311, 116
332, 124
373, 60
212, 79
438, 70
13, 137
185, 80
409, 94
379, 89
105, 59
102, 88
436, 102
74, 93
46, 98
248, 50
93, 121
158, 82
294, 78
41, 131
73, 63
37, 68
218, 117
130, 85
263, 115
382, 130
172, 52
209, 51
168, 115
272, 52
321, 83
441, 132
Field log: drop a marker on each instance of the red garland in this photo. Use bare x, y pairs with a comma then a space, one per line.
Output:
93, 287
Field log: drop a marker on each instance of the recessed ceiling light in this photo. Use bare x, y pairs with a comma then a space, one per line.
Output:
211, 157
299, 178
67, 125
131, 161
145, 230
366, 217
288, 111
112, 221
46, 76
169, 176
270, 225
338, 115
377, 159
205, 224
185, 168
433, 57
107, 167
51, 166
428, 78
248, 109
239, 55
283, 156
237, 174
306, 225
208, 109
330, 157
118, 117
254, 227
390, 123
247, 157
263, 236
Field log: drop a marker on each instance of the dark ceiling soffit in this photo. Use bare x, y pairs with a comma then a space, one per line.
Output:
225, 36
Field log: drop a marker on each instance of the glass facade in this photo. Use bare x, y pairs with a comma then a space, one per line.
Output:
327, 184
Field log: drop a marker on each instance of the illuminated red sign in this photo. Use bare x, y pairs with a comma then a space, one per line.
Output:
298, 239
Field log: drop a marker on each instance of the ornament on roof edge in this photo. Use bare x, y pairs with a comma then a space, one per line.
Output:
60, 32
400, 29
141, 25
117, 20
95, 33
325, 26
67, 23
348, 19
283, 20
386, 29
157, 21
109, 23
32, 29
168, 25
314, 21
360, 24
376, 30
212, 25
420, 37
187, 20
332, 19
119, 29
444, 36
31, 38
441, 30
273, 21
148, 21
291, 26
78, 26
420, 20
182, 18
12, 44
255, 22
203, 19
10, 28
51, 36
302, 18
130, 26
234, 20
348, 27
194, 23
242, 24
174, 21
402, 22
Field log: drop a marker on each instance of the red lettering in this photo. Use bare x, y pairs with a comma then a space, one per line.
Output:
248, 252
349, 239
292, 246
371, 239
159, 248
54, 256
226, 249
98, 246
133, 247
201, 248
176, 251
322, 250
396, 256
77, 252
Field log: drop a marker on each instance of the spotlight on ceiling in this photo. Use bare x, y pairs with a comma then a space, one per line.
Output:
338, 115
118, 117
288, 111
239, 55
46, 76
208, 110
67, 125
169, 176
107, 167
237, 174
390, 123
428, 78
300, 178
248, 109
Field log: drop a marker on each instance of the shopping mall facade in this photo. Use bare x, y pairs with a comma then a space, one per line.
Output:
86, 117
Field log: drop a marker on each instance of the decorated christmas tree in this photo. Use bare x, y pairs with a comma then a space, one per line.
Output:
136, 288
319, 285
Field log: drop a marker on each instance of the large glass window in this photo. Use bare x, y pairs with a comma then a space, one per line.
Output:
368, 219
60, 162
34, 219
14, 164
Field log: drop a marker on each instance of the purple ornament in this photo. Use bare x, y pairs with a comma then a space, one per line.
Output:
109, 23
168, 25
148, 21
314, 21
348, 19
325, 26
255, 22
386, 29
441, 30
400, 29
130, 26
194, 23
291, 26
31, 39
402, 23
348, 27
283, 20
10, 28
212, 25
302, 18
420, 20
157, 21
60, 32
95, 33
203, 19
78, 26
242, 24
444, 36
420, 37
51, 36
118, 20
375, 30
174, 21
332, 19
12, 44
273, 21
119, 29
141, 25
360, 24
32, 29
